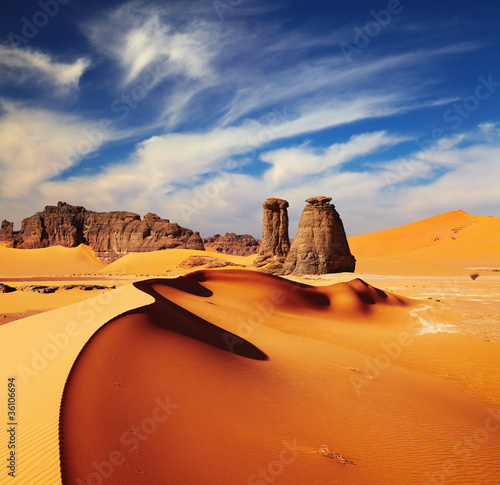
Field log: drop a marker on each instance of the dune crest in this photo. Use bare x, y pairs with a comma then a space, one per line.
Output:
453, 238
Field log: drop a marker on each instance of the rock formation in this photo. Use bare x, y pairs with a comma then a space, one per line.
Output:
207, 262
110, 234
231, 243
6, 288
7, 233
275, 242
320, 245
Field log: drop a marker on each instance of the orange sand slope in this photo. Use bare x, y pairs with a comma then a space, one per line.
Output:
240, 377
56, 260
454, 238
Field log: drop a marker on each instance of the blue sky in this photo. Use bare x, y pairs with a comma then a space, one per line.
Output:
200, 110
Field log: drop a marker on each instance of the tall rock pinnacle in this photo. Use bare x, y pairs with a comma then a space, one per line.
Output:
275, 242
320, 245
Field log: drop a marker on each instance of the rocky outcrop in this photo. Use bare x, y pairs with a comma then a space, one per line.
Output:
7, 233
231, 243
61, 225
207, 262
52, 289
6, 288
320, 245
275, 242
111, 235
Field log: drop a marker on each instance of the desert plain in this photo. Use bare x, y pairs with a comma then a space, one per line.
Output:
169, 373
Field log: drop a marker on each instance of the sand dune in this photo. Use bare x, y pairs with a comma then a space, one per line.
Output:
56, 260
166, 261
240, 377
40, 351
235, 376
454, 238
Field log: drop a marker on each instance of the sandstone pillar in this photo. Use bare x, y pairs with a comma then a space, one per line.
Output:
320, 245
275, 242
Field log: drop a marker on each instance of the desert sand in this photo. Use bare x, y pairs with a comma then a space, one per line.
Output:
454, 238
48, 261
229, 375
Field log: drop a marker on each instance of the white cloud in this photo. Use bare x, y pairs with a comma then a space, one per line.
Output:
138, 36
291, 165
36, 146
244, 67
161, 164
20, 65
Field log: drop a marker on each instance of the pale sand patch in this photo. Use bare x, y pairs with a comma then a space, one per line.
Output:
30, 352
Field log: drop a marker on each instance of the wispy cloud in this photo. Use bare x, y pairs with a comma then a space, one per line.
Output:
137, 36
291, 165
21, 65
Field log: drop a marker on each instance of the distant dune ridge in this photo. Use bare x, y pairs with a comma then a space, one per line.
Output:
110, 234
454, 238
56, 260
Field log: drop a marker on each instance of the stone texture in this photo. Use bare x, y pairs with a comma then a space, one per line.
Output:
208, 262
195, 242
110, 234
275, 241
320, 245
7, 233
231, 243
6, 288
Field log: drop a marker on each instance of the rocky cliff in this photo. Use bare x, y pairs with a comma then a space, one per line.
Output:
110, 234
321, 244
231, 243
